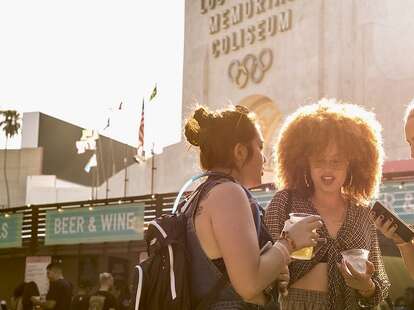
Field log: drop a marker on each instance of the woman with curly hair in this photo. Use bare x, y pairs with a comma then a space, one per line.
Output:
328, 162
225, 235
387, 227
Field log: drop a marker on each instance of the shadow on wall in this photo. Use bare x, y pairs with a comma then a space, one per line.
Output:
269, 118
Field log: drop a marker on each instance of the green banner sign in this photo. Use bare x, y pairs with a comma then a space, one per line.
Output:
396, 195
399, 197
98, 224
11, 230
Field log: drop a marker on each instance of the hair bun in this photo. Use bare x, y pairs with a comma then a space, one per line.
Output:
192, 132
198, 124
202, 116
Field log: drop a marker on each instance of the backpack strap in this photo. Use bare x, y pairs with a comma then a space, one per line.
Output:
257, 212
193, 179
139, 286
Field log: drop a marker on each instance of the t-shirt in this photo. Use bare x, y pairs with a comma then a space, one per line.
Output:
80, 302
61, 292
102, 300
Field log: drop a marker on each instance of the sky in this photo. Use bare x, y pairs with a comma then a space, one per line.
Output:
77, 60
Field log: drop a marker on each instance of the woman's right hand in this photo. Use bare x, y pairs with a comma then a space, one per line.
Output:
387, 228
303, 233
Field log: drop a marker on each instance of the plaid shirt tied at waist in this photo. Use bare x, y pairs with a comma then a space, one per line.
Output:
357, 231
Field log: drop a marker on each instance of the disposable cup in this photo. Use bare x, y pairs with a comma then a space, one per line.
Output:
304, 253
357, 258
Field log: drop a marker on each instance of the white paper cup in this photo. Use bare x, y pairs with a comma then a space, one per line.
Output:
357, 258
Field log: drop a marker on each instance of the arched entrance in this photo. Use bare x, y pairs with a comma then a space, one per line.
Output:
269, 117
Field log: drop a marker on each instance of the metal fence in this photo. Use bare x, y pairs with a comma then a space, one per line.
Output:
395, 194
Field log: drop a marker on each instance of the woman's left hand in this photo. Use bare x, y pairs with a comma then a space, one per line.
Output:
362, 282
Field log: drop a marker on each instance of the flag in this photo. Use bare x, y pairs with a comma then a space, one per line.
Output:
87, 140
82, 146
91, 163
112, 110
154, 93
89, 134
140, 150
108, 123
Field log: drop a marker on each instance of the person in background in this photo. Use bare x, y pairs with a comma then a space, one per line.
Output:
3, 305
387, 227
59, 295
103, 299
81, 300
122, 294
22, 296
16, 299
400, 304
409, 297
30, 290
328, 161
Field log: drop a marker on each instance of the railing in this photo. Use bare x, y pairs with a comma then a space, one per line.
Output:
397, 195
34, 216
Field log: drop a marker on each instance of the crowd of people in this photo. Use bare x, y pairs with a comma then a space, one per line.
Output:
61, 295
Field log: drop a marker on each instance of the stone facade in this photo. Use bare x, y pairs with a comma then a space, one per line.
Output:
358, 51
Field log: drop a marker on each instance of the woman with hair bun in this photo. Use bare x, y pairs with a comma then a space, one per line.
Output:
225, 234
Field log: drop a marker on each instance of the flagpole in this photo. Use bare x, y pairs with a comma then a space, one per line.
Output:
153, 168
125, 170
93, 180
92, 185
97, 178
103, 166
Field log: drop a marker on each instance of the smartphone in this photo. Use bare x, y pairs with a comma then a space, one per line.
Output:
403, 230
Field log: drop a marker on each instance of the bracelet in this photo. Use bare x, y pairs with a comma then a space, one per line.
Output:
285, 236
366, 302
365, 305
400, 244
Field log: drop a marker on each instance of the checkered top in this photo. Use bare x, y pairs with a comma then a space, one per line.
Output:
357, 231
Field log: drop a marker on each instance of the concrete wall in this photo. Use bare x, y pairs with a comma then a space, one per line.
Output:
358, 51
172, 168
48, 189
20, 164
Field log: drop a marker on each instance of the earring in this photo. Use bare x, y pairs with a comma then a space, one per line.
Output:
306, 181
350, 181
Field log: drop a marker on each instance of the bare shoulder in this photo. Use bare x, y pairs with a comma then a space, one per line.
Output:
224, 197
226, 188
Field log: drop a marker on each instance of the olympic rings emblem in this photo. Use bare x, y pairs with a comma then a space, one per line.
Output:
250, 68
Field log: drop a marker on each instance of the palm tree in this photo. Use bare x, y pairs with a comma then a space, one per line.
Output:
11, 127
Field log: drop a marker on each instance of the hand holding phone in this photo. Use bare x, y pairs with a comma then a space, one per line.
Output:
402, 230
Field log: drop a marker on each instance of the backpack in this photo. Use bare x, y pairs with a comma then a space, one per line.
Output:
162, 280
